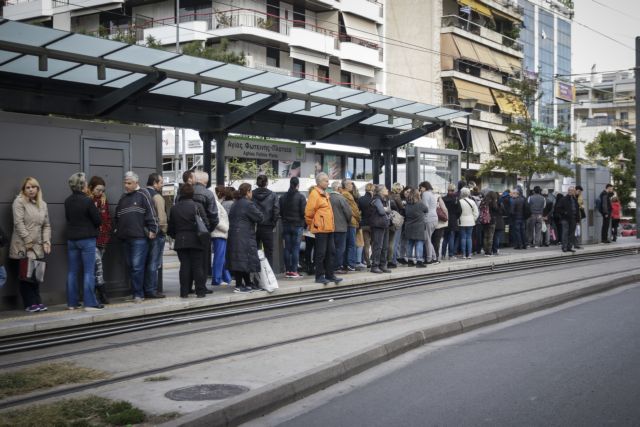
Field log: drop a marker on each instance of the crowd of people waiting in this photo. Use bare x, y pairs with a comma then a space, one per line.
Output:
342, 230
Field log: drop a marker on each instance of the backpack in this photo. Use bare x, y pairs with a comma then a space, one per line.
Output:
485, 215
396, 220
599, 204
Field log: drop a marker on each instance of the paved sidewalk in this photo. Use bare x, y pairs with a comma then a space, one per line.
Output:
15, 322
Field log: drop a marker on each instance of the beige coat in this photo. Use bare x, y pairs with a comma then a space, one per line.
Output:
31, 228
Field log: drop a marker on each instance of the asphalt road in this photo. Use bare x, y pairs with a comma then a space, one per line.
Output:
578, 366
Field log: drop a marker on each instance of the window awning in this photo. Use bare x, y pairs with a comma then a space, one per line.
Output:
476, 6
468, 90
353, 67
503, 15
465, 47
480, 140
486, 56
360, 27
499, 139
509, 103
448, 51
309, 56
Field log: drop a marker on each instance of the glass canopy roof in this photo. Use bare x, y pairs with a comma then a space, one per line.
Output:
52, 54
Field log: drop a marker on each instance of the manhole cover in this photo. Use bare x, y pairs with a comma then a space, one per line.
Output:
206, 392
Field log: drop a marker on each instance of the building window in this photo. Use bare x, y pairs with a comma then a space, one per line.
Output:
298, 16
273, 57
345, 78
298, 68
273, 15
323, 74
195, 10
624, 115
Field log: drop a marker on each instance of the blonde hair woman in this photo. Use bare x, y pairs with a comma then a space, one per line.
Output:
31, 236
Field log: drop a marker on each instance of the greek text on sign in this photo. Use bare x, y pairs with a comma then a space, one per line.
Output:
264, 149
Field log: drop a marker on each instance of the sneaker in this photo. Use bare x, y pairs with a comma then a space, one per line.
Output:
351, 269
257, 289
334, 279
297, 275
420, 264
290, 275
341, 271
242, 290
138, 300
376, 270
411, 263
436, 262
42, 307
71, 308
33, 308
322, 280
392, 265
96, 308
385, 270
402, 261
157, 295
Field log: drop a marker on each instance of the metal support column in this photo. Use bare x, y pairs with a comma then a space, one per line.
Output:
206, 138
395, 165
221, 141
637, 76
387, 169
375, 166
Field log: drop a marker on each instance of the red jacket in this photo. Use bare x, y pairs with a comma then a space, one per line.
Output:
616, 207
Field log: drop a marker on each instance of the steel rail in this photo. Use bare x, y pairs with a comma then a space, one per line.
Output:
155, 371
43, 339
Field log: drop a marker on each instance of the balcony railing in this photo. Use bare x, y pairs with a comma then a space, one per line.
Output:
608, 121
477, 29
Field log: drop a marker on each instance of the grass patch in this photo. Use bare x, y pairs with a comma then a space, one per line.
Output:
158, 378
90, 411
45, 376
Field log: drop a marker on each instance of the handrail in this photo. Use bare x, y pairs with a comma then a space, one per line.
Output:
475, 28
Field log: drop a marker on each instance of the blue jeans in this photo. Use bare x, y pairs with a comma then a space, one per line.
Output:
360, 254
518, 233
497, 239
82, 255
292, 235
449, 243
396, 246
135, 255
465, 240
340, 240
3, 275
418, 244
153, 264
219, 274
350, 251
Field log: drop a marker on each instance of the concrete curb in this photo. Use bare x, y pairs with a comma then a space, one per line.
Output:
266, 399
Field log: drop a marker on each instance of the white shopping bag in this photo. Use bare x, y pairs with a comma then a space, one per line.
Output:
268, 280
578, 231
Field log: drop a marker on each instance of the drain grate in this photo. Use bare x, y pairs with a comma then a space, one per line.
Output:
206, 392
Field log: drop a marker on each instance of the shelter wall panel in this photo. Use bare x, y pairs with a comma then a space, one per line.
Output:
25, 141
144, 173
143, 152
106, 136
113, 176
105, 157
52, 177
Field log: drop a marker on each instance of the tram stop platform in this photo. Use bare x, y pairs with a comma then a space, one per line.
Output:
17, 322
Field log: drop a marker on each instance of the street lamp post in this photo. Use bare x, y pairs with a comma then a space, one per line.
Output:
468, 105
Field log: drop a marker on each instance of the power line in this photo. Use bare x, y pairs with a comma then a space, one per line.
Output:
623, 13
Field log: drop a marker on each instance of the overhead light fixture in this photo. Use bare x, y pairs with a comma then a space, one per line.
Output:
102, 72
238, 94
43, 63
197, 87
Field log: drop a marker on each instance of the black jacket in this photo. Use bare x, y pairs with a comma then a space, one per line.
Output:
567, 209
292, 206
454, 210
378, 217
267, 201
414, 225
83, 218
605, 203
242, 249
364, 203
182, 224
518, 208
207, 199
134, 214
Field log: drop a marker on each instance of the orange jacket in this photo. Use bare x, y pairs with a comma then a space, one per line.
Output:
318, 213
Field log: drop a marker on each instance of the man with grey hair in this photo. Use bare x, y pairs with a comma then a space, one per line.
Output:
204, 196
135, 222
318, 215
568, 210
341, 218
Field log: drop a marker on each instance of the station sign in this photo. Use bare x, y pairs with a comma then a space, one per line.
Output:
267, 149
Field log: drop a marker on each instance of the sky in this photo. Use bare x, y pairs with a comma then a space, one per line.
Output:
621, 24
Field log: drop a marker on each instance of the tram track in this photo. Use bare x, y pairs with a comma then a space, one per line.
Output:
61, 336
245, 351
62, 392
